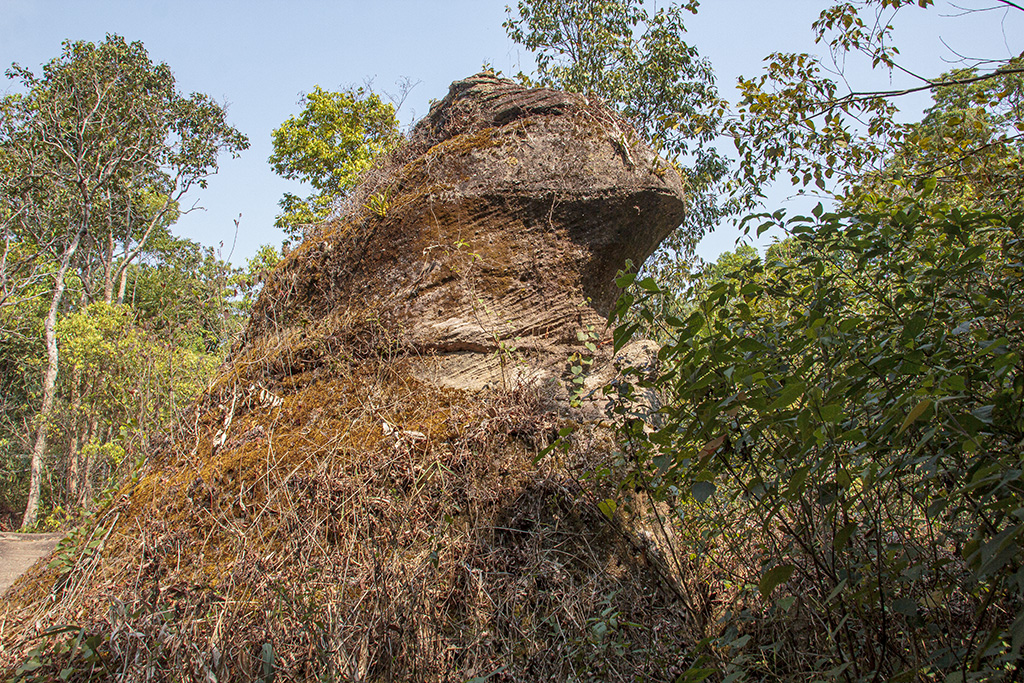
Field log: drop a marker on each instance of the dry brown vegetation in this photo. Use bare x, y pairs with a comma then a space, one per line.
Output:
356, 554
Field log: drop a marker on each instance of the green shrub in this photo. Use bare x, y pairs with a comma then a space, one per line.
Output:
844, 429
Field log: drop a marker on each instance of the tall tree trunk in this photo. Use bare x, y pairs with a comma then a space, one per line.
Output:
50, 376
74, 468
123, 286
108, 283
85, 492
108, 256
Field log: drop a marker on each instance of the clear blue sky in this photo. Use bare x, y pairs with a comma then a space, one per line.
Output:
260, 56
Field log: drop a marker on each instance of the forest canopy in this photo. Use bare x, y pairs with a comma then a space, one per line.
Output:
97, 151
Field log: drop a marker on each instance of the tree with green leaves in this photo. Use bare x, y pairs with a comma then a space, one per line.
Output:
850, 418
802, 119
249, 281
970, 141
840, 440
124, 379
329, 145
101, 119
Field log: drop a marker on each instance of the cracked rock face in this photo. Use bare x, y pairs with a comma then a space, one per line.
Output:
494, 241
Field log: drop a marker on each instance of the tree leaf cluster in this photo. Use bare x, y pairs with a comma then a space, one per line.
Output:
859, 396
329, 145
802, 120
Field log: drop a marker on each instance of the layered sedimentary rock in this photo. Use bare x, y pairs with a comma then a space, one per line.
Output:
359, 495
506, 229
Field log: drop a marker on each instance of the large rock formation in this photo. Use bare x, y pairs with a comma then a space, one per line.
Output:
507, 227
357, 495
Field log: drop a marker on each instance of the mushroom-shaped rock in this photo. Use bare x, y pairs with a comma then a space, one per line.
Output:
358, 496
506, 229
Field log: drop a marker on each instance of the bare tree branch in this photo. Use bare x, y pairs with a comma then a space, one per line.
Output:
859, 97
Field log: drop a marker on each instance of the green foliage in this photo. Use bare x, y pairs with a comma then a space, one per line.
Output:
841, 435
115, 358
20, 330
96, 152
843, 424
126, 370
183, 289
330, 144
379, 203
249, 281
607, 637
121, 384
580, 362
968, 144
80, 545
801, 120
84, 656
103, 114
637, 61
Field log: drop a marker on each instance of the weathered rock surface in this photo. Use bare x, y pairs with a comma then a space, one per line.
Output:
506, 231
359, 495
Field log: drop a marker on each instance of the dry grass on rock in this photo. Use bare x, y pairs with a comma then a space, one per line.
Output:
358, 495
364, 528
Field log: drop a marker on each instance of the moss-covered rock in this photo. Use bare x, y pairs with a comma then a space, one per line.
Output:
358, 495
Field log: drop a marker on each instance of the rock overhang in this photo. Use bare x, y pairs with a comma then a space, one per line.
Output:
507, 216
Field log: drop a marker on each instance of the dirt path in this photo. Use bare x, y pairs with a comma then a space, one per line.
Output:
19, 551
